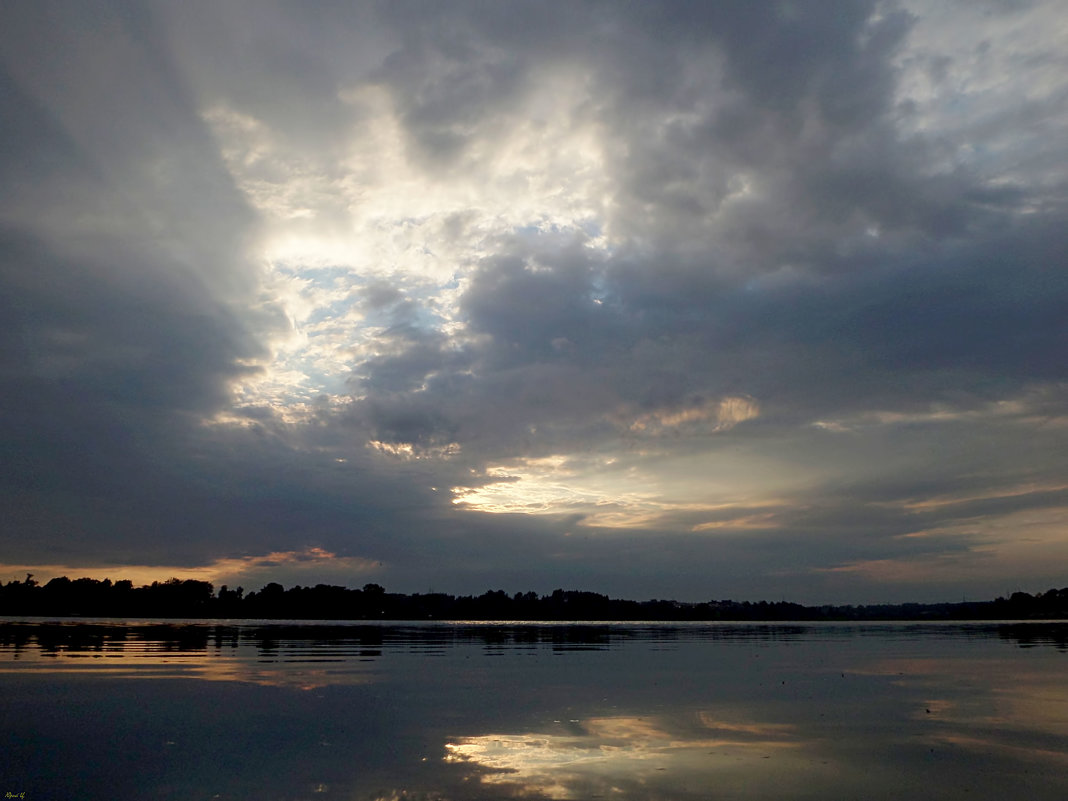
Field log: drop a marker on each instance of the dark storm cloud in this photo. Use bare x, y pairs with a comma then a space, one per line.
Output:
939, 323
958, 324
795, 272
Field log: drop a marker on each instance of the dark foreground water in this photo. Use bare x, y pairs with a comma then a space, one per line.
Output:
621, 711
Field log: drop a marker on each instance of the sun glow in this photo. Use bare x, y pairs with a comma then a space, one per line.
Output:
375, 209
613, 492
555, 485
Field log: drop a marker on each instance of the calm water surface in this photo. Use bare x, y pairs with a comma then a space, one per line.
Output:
256, 710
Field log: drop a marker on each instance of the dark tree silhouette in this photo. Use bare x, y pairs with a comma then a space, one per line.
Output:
188, 598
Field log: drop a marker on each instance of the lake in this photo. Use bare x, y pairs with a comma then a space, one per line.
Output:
450, 711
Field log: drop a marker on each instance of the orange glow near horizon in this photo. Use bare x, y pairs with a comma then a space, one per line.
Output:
221, 571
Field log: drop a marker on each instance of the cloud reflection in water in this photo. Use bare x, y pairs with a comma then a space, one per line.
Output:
638, 756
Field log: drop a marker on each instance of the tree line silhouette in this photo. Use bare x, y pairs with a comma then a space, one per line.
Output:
189, 598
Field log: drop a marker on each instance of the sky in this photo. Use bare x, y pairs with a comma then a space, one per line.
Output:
659, 300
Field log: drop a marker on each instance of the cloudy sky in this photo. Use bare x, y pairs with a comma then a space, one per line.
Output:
688, 300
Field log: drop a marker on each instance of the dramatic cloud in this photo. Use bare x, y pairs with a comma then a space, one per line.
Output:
687, 300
